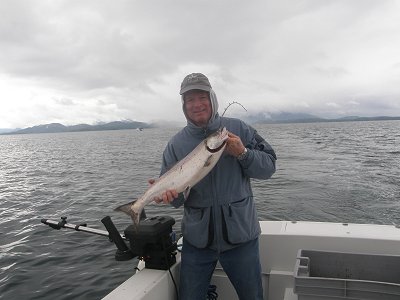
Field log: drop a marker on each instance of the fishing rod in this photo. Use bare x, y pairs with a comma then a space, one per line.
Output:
231, 103
123, 252
153, 241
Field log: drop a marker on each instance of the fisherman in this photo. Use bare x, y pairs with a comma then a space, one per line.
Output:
220, 221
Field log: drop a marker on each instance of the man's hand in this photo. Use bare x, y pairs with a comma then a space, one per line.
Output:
167, 197
234, 145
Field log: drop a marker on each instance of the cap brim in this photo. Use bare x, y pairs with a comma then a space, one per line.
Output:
195, 87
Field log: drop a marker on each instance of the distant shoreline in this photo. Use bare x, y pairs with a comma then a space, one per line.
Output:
57, 127
121, 125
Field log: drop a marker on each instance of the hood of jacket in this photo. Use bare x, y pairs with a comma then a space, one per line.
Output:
213, 123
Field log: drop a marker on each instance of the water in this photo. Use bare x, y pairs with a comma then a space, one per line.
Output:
339, 172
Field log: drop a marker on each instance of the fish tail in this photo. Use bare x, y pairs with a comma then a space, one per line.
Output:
127, 209
135, 216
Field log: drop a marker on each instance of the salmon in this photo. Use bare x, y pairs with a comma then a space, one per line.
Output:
183, 175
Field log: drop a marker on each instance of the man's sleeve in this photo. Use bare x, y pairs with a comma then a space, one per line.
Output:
261, 158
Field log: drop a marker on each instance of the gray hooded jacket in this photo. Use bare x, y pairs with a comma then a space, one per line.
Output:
220, 212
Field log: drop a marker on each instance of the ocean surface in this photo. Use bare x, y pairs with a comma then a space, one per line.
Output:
336, 172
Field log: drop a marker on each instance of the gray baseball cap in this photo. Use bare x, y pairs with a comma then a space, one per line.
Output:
195, 81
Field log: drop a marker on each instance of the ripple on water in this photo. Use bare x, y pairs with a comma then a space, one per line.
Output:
340, 172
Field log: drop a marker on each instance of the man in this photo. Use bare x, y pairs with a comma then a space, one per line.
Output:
220, 220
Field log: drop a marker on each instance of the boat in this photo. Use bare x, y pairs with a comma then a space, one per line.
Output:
285, 271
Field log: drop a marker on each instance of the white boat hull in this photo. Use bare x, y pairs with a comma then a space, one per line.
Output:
279, 245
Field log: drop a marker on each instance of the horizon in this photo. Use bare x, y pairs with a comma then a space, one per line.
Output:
307, 118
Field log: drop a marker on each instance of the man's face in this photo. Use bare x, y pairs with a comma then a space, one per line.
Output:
198, 107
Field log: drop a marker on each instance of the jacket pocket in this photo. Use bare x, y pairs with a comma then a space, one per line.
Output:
195, 226
240, 222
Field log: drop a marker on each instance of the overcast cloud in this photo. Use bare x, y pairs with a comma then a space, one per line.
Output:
88, 61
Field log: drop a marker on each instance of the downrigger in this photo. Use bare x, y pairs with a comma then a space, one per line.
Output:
153, 241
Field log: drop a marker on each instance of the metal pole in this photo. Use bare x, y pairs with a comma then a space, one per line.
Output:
63, 224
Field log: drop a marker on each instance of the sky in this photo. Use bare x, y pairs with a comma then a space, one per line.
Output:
85, 61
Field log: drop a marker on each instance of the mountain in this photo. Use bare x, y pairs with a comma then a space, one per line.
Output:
57, 127
46, 128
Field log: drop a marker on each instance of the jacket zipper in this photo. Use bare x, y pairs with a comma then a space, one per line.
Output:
214, 208
216, 222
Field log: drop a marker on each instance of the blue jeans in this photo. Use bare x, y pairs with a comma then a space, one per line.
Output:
241, 264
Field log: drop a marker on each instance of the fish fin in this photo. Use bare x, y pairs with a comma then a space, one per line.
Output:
208, 161
126, 208
186, 192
